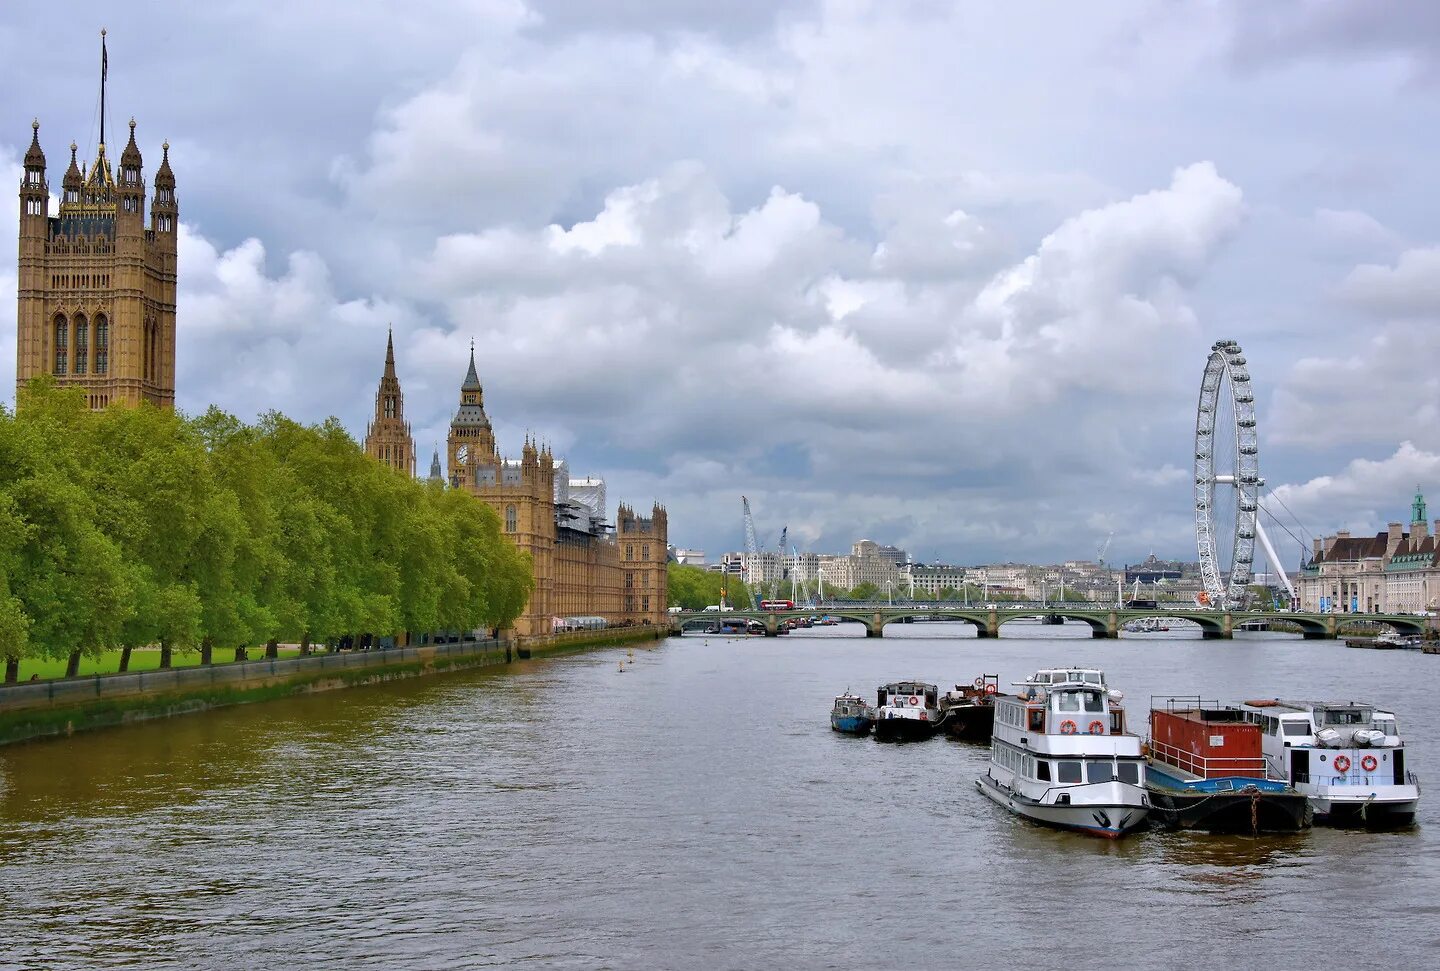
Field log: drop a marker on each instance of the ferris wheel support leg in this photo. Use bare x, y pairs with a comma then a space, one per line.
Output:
1274, 560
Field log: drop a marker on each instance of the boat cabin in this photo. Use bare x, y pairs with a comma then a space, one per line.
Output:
848, 705
1076, 702
908, 694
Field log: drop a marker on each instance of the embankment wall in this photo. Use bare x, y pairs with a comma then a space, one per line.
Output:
39, 708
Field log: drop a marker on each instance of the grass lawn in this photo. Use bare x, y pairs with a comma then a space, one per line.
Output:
141, 659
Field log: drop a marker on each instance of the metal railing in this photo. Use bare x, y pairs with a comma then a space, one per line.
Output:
1202, 765
1360, 779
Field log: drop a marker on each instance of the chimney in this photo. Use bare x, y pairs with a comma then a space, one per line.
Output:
1392, 541
1418, 531
1319, 548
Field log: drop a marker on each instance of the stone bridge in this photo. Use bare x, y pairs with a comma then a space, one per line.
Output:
1105, 622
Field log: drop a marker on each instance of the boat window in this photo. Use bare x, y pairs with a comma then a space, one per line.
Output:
1037, 720
1270, 724
1128, 772
1386, 725
1296, 728
1075, 676
1100, 771
1093, 677
1117, 723
1042, 770
1093, 701
1067, 770
1068, 701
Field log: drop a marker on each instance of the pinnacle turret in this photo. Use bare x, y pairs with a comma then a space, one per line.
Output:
35, 156
131, 156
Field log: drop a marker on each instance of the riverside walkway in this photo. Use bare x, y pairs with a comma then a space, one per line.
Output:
1105, 622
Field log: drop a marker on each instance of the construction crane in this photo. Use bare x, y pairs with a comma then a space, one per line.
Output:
780, 570
752, 548
1104, 548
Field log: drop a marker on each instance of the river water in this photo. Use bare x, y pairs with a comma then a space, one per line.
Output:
692, 811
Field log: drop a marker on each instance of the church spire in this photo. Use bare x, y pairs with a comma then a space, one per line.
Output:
390, 353
472, 378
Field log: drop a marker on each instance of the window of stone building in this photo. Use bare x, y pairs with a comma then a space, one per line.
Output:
645, 551
62, 344
645, 604
511, 522
629, 579
645, 578
102, 345
629, 551
389, 406
82, 345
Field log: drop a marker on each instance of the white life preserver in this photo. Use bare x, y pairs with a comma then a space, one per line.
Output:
914, 700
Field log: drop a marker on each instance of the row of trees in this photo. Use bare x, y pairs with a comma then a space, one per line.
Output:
134, 527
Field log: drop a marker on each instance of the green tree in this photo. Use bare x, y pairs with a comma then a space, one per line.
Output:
865, 591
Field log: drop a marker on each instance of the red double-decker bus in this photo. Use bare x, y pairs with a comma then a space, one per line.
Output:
777, 605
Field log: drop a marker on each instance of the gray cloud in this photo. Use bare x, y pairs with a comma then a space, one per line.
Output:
939, 274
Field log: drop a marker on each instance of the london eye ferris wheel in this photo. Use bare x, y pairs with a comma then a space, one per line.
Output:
1227, 479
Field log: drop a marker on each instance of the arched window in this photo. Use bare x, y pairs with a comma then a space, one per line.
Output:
62, 345
511, 519
102, 345
82, 344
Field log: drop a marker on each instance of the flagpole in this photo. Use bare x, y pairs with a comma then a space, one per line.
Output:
104, 69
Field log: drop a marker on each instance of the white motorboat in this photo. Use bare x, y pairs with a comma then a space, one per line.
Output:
1060, 754
1347, 757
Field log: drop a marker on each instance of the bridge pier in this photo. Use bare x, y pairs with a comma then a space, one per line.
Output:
772, 626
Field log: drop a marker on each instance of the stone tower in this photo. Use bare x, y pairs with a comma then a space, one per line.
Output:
387, 437
642, 542
522, 493
96, 291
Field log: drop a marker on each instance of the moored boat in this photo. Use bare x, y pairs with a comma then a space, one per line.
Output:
1206, 770
967, 712
1060, 754
906, 711
851, 715
1347, 758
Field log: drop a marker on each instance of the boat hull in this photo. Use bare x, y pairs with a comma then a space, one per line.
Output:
1360, 814
851, 724
1110, 820
1239, 811
973, 723
903, 729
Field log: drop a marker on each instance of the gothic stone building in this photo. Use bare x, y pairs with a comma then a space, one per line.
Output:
96, 286
387, 437
581, 569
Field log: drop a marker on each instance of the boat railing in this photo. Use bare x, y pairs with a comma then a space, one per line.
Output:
1178, 703
1203, 766
1360, 778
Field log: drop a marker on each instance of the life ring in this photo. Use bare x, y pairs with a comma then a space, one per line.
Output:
1097, 727
1369, 763
914, 700
979, 682
990, 689
1067, 727
1342, 764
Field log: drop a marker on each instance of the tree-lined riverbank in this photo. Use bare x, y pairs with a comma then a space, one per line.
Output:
136, 527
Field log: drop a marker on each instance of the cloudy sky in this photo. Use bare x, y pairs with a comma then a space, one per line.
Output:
941, 275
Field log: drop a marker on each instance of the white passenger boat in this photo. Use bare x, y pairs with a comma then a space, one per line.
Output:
1061, 755
1346, 757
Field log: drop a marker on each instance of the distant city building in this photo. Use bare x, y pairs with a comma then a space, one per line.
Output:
689, 557
1391, 572
928, 580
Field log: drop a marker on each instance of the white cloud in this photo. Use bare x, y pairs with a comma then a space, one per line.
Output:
1410, 288
1365, 494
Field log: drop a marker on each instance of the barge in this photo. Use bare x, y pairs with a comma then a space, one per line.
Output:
906, 711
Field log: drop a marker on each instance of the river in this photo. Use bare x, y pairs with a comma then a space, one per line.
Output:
692, 811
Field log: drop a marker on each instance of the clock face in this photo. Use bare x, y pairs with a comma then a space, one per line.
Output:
462, 454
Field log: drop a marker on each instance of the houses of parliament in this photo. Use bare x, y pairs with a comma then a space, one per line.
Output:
97, 311
581, 568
